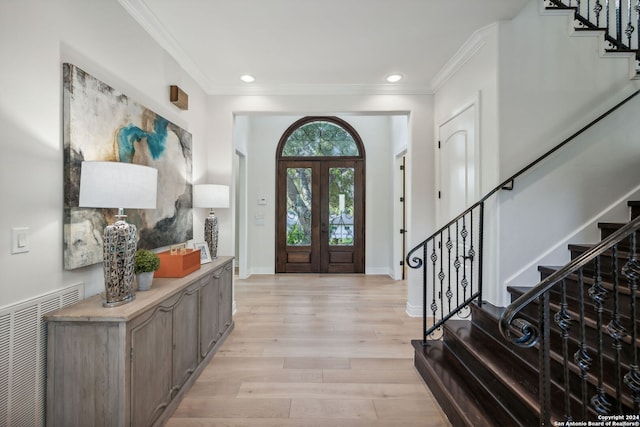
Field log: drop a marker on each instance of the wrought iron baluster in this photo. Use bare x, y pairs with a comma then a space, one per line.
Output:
630, 29
631, 271
481, 250
597, 9
607, 12
457, 262
581, 356
464, 233
434, 304
618, 21
441, 280
544, 362
615, 328
563, 320
599, 401
471, 255
449, 247
424, 293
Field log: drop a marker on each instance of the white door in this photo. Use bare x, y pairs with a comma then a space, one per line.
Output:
457, 165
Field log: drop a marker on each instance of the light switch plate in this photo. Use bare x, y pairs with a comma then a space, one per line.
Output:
20, 240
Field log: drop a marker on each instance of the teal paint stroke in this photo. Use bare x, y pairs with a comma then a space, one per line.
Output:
130, 134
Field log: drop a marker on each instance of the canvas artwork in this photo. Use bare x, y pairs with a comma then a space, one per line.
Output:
103, 124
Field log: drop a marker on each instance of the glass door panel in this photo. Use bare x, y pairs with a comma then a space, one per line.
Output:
341, 207
299, 206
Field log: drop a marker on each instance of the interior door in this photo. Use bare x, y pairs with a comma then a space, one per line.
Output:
320, 216
457, 165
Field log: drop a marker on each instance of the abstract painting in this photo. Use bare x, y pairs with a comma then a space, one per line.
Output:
103, 124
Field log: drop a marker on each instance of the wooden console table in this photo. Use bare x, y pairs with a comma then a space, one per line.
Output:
131, 365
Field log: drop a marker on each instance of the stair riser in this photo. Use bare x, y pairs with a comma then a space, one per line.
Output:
446, 394
487, 399
517, 368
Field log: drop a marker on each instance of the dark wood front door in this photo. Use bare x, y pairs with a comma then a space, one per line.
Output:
320, 216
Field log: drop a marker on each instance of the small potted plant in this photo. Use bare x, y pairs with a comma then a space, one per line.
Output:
146, 263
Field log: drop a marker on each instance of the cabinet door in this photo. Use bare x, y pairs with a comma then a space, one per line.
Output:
226, 288
209, 324
151, 360
185, 337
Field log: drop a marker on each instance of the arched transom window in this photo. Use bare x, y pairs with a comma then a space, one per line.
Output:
320, 138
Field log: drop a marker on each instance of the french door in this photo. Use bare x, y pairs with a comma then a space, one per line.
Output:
320, 216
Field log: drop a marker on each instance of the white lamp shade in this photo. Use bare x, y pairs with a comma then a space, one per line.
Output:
210, 196
118, 185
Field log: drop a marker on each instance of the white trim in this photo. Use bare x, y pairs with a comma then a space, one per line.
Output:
329, 89
147, 20
378, 271
414, 310
461, 57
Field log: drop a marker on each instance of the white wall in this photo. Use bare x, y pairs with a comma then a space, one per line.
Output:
36, 37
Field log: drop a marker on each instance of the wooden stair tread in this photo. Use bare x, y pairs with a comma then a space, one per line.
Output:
448, 387
491, 355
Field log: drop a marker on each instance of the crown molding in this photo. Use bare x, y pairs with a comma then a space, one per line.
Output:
467, 51
147, 20
318, 89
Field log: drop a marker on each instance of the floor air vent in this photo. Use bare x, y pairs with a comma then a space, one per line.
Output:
23, 356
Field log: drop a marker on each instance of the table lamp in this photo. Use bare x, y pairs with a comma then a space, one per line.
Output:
118, 185
211, 196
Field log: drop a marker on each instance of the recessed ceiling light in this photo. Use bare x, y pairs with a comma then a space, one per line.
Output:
247, 78
393, 78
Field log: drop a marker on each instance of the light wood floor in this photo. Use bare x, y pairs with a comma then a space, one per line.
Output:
314, 350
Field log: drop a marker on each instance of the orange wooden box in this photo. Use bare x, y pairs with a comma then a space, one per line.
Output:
178, 265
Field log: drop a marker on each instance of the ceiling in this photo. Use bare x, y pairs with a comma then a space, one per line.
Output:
315, 46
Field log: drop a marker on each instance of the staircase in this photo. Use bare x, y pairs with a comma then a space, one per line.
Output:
481, 379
